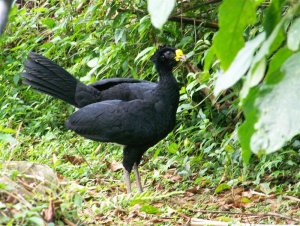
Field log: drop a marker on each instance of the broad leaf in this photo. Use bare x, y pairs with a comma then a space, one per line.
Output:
232, 22
257, 70
50, 23
149, 209
6, 130
274, 67
93, 62
247, 129
273, 16
36, 220
222, 187
145, 54
239, 66
279, 109
208, 58
293, 37
160, 11
8, 138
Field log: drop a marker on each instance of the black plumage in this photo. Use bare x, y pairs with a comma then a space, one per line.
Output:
130, 112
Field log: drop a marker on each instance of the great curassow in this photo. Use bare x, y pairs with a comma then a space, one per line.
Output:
130, 112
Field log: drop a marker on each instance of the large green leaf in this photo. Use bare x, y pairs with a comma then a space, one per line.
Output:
234, 17
273, 16
293, 39
247, 129
160, 11
272, 76
258, 66
239, 66
279, 109
8, 138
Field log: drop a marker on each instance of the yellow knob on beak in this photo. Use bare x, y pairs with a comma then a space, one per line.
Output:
179, 55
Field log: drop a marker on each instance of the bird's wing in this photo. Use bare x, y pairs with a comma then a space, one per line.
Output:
110, 82
123, 122
123, 88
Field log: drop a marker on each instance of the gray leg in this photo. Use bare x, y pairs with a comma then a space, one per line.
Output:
127, 181
137, 178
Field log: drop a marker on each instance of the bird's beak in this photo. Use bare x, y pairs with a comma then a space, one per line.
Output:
179, 55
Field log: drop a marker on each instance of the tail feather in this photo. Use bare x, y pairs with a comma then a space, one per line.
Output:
40, 86
47, 77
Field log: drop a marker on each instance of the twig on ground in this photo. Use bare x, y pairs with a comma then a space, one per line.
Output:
291, 198
198, 222
269, 214
68, 222
283, 196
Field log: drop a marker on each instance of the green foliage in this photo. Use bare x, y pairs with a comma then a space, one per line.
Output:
278, 120
273, 15
239, 66
232, 21
222, 187
293, 35
160, 11
267, 96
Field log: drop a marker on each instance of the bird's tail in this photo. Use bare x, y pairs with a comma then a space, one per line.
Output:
47, 77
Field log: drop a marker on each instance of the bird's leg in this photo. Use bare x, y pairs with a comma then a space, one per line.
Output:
137, 178
127, 181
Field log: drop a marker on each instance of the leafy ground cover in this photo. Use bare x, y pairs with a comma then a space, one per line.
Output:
197, 171
92, 190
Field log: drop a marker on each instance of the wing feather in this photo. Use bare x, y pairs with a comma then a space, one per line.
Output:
123, 122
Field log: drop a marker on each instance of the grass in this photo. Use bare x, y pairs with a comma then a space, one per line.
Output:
197, 167
90, 192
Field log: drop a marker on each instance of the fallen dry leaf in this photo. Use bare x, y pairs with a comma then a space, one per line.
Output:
158, 204
11, 199
237, 190
188, 194
135, 207
60, 177
49, 214
173, 178
156, 220
75, 160
120, 212
159, 187
114, 165
194, 190
68, 222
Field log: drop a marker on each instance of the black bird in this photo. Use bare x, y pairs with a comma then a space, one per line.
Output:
130, 112
4, 11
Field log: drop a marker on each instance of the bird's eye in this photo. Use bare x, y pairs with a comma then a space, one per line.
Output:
166, 55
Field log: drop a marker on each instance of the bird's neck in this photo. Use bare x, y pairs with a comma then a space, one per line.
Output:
167, 84
166, 77
167, 81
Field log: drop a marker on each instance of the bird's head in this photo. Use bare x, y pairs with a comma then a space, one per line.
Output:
166, 56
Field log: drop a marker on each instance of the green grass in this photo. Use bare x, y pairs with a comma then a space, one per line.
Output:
175, 184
